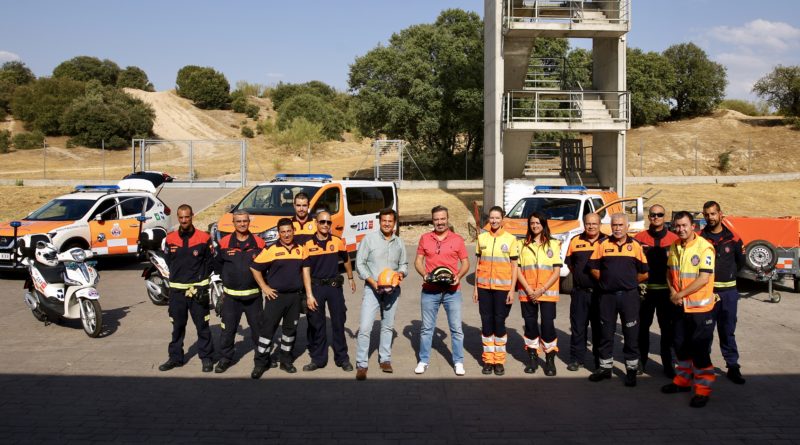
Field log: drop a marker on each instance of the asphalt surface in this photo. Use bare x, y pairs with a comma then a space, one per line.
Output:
60, 386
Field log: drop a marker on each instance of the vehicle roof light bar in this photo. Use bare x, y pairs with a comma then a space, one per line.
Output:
96, 188
559, 189
280, 177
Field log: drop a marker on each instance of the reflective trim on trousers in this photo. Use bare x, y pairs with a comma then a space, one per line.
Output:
531, 343
264, 345
606, 363
550, 346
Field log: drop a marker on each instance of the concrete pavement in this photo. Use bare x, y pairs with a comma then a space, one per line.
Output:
58, 385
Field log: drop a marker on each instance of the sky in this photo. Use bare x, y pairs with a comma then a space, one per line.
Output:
269, 41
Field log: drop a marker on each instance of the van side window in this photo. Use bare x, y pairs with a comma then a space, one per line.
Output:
366, 200
329, 200
597, 202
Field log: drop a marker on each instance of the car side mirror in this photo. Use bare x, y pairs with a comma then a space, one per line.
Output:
98, 217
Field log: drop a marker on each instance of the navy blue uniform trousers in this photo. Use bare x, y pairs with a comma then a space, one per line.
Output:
180, 307
333, 298
232, 310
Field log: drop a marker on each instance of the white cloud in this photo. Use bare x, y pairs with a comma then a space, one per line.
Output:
8, 56
761, 34
751, 51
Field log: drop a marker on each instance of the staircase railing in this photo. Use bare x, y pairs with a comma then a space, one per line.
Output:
526, 106
615, 12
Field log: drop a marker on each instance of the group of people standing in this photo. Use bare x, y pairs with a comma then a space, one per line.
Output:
686, 279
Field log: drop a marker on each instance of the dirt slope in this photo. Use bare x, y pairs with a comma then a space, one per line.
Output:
177, 118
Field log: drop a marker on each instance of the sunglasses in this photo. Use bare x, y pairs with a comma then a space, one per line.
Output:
656, 215
324, 222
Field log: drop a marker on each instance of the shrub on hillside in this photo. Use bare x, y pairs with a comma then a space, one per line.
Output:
248, 132
285, 91
238, 101
299, 134
746, 107
252, 110
12, 75
250, 89
314, 109
41, 103
5, 141
106, 114
206, 87
26, 141
134, 77
85, 68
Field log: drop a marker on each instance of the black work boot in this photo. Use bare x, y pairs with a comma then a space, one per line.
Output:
600, 374
630, 377
735, 375
640, 367
533, 363
550, 364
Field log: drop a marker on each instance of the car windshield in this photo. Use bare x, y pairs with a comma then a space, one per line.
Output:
560, 209
62, 210
273, 199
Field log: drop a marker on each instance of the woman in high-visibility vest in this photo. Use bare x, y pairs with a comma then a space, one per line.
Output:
537, 287
494, 278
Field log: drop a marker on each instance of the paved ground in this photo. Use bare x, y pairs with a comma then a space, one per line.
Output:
58, 385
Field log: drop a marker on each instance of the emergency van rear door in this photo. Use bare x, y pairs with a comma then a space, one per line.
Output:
363, 203
633, 207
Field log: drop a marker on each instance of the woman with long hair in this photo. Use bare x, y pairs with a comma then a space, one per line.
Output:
494, 289
537, 287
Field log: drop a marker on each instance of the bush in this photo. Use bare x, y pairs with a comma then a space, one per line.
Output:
250, 89
206, 87
109, 114
5, 141
314, 110
725, 161
238, 102
41, 104
252, 110
746, 107
27, 141
134, 77
285, 91
85, 68
248, 132
299, 133
12, 75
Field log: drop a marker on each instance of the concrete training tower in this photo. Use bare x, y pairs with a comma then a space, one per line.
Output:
524, 95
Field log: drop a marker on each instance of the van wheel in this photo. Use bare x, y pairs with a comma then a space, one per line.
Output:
797, 284
566, 284
760, 255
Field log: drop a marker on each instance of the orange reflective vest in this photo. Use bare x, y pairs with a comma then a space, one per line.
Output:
537, 263
496, 252
685, 263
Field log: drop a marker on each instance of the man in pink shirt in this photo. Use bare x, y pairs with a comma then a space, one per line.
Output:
441, 248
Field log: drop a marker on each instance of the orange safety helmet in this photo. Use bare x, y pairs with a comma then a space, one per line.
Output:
388, 280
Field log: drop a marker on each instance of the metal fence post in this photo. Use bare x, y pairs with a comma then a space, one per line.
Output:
191, 162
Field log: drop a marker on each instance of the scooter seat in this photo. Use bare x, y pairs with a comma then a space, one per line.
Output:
51, 274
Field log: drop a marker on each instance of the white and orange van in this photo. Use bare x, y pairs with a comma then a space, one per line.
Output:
353, 203
102, 218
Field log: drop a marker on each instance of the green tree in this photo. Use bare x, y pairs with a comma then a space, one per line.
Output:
106, 114
206, 87
284, 91
134, 77
651, 81
12, 75
315, 110
5, 141
41, 103
426, 87
27, 141
699, 82
85, 68
781, 89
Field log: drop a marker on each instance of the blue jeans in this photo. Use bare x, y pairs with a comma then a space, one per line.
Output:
430, 302
370, 306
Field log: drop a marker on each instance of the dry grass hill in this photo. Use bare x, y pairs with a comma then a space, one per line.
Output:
755, 145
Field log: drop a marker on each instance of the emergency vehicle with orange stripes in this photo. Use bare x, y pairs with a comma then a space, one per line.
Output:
100, 218
565, 207
353, 204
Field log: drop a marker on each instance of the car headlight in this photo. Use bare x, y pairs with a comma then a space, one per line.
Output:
78, 255
270, 236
